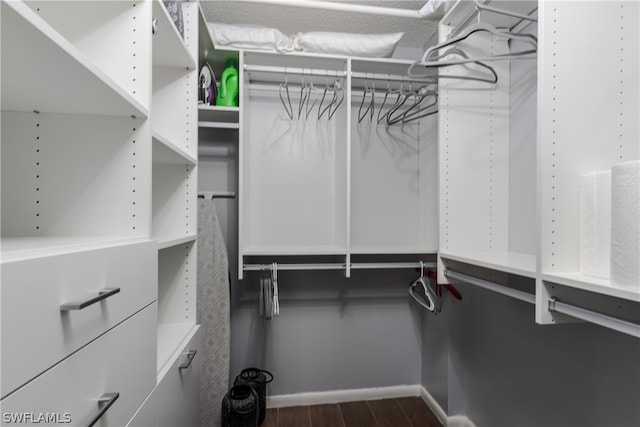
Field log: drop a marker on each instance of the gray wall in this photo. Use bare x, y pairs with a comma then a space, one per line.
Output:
504, 370
333, 333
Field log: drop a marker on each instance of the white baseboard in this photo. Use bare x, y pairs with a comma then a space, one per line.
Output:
340, 396
376, 393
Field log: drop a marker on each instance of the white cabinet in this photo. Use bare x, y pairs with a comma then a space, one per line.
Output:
35, 292
99, 155
175, 401
175, 142
320, 182
512, 154
116, 362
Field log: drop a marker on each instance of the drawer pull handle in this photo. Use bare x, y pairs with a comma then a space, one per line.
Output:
102, 294
105, 401
190, 356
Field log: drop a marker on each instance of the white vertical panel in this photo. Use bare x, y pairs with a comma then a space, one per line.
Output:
177, 267
78, 175
587, 111
474, 155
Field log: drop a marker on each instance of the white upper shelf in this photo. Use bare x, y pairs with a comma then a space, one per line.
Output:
42, 71
169, 50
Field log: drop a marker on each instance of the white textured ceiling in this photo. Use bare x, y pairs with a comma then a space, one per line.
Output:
291, 20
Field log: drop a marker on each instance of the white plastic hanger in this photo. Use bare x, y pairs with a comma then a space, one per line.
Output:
424, 299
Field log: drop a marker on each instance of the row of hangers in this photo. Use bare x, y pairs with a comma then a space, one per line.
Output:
449, 53
327, 99
269, 301
398, 105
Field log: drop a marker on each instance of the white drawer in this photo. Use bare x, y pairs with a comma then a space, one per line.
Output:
121, 361
35, 332
178, 392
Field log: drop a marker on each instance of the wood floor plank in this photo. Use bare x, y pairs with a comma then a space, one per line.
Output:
418, 412
297, 416
270, 418
357, 414
388, 413
326, 416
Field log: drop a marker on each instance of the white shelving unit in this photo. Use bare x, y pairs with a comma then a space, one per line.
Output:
76, 204
330, 187
394, 189
510, 185
576, 136
174, 209
487, 177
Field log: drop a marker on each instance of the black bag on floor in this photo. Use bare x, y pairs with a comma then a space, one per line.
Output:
258, 380
240, 407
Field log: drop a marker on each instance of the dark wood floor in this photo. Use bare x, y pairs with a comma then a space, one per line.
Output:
400, 412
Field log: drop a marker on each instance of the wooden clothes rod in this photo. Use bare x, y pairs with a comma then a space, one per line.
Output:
339, 266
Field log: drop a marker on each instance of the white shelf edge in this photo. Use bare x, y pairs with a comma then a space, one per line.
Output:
218, 125
15, 249
169, 242
171, 339
293, 250
507, 262
181, 156
203, 107
591, 284
40, 25
171, 41
391, 250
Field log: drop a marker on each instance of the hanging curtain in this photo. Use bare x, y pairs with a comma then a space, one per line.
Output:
213, 312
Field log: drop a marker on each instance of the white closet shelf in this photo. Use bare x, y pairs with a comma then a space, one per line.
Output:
54, 76
165, 151
508, 262
464, 10
592, 284
171, 337
408, 250
293, 250
23, 248
169, 50
169, 242
217, 117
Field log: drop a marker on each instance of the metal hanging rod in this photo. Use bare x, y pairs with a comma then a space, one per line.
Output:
210, 195
339, 266
347, 7
393, 77
629, 328
504, 290
295, 70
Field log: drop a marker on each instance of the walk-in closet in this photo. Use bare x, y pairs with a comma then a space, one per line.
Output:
314, 213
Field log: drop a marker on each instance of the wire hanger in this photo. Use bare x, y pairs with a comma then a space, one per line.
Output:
315, 93
304, 95
288, 108
369, 104
418, 110
274, 284
482, 27
389, 91
491, 77
337, 89
426, 298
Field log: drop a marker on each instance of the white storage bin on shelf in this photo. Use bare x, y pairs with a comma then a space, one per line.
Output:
293, 172
487, 152
578, 136
394, 185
